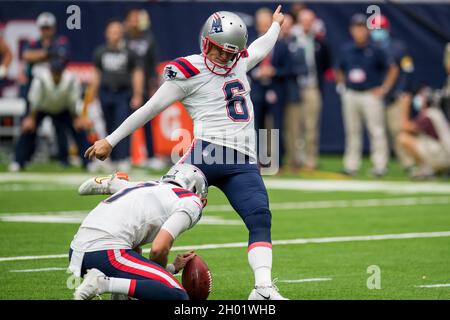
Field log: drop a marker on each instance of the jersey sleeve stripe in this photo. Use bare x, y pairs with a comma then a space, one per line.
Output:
182, 193
188, 195
188, 65
181, 68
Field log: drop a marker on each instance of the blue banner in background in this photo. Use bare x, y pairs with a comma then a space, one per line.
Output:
425, 28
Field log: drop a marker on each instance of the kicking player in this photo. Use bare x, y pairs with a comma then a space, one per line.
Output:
214, 88
105, 248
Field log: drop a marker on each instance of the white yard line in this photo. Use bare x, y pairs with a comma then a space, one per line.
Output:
345, 203
434, 285
78, 216
35, 187
306, 280
38, 270
272, 183
276, 242
358, 186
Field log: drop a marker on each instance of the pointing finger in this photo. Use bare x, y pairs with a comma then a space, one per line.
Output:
278, 9
86, 153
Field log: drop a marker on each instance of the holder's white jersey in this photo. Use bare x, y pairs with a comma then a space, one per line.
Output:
134, 215
220, 106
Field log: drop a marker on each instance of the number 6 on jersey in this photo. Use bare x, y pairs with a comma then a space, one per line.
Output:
236, 103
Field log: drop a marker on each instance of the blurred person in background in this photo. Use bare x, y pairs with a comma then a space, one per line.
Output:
119, 84
292, 113
36, 54
141, 41
54, 93
269, 82
5, 61
446, 88
364, 75
317, 59
401, 92
5, 57
426, 137
318, 27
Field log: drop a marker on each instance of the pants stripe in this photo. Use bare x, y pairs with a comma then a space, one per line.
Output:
191, 147
132, 288
130, 264
259, 244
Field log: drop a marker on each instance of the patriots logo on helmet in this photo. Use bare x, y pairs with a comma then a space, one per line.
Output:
169, 74
216, 24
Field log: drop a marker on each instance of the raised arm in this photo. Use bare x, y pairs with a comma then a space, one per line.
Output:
261, 47
167, 94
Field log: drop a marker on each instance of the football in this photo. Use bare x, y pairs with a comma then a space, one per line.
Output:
196, 279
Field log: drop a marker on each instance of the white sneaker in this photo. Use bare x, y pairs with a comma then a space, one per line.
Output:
423, 173
123, 165
89, 288
100, 166
100, 185
156, 164
266, 293
14, 167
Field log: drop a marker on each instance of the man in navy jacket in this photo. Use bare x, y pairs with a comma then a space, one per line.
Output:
269, 80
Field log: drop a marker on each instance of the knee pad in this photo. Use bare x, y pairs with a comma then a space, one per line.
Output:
258, 224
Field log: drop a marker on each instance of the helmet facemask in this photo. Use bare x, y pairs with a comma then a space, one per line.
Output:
216, 68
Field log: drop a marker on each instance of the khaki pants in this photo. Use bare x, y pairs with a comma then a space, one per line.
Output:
302, 121
292, 119
362, 107
393, 121
311, 105
432, 152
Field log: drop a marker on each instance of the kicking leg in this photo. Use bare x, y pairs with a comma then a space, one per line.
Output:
248, 196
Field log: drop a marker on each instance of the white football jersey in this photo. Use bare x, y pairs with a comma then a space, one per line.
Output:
220, 106
133, 216
44, 95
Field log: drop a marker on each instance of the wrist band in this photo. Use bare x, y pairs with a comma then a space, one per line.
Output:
170, 268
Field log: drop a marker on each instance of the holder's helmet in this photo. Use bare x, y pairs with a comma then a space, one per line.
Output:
188, 177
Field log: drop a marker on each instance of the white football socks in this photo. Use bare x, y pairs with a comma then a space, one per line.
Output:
260, 260
113, 285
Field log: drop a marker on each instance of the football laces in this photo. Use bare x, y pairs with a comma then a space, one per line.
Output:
210, 281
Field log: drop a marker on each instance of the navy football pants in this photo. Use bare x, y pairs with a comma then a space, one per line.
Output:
241, 183
149, 281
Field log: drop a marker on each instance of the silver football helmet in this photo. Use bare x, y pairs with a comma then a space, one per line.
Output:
227, 31
188, 177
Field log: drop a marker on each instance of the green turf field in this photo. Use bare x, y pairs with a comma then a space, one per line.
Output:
326, 234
